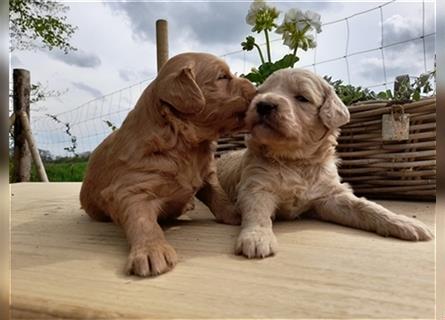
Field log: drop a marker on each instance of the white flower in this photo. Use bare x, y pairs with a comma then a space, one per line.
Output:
301, 24
261, 16
287, 39
297, 28
313, 18
302, 20
291, 15
255, 7
311, 41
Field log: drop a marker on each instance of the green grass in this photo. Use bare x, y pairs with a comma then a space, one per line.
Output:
58, 171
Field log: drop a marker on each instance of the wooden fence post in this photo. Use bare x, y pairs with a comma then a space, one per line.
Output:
33, 146
161, 42
21, 96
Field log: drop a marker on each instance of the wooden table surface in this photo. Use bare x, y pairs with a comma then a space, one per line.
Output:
66, 266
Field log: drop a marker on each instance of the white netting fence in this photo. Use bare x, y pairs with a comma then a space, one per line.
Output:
82, 128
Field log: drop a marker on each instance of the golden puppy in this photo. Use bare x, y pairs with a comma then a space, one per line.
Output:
290, 166
151, 167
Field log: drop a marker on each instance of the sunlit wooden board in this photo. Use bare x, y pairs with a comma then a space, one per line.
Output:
66, 266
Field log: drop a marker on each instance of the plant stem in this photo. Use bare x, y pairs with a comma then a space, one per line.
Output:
261, 54
295, 55
267, 44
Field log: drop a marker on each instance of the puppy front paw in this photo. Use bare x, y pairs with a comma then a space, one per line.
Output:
151, 259
256, 243
407, 229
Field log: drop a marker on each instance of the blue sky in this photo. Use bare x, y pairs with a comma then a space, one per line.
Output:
116, 49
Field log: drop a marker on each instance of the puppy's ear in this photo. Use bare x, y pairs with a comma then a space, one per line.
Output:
181, 91
333, 112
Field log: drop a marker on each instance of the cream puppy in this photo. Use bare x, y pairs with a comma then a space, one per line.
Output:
289, 167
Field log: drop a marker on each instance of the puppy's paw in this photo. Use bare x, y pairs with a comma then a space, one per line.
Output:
229, 215
256, 243
151, 259
407, 229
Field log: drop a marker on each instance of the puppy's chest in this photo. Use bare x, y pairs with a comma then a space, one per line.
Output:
297, 190
193, 170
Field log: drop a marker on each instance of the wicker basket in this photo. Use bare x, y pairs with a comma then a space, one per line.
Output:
390, 169
377, 168
231, 143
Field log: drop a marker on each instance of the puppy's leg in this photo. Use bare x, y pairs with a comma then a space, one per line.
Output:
256, 239
213, 195
150, 254
346, 209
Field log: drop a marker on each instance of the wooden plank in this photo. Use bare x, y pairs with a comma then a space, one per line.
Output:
66, 266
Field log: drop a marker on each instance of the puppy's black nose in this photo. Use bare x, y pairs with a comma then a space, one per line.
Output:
265, 108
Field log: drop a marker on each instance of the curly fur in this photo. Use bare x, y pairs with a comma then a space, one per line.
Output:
162, 155
289, 167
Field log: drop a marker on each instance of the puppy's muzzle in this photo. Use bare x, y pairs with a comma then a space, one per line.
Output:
265, 108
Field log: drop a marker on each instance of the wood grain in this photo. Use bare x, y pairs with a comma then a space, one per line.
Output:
66, 266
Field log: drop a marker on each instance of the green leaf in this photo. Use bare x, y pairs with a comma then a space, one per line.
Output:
382, 95
248, 44
39, 23
266, 68
255, 77
287, 61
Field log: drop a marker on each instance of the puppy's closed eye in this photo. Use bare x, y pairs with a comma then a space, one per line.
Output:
223, 77
301, 98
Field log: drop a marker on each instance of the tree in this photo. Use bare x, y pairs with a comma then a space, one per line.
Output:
39, 24
45, 155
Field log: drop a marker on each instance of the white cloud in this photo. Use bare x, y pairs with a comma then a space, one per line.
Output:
407, 57
117, 48
78, 58
129, 75
89, 89
395, 65
400, 28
